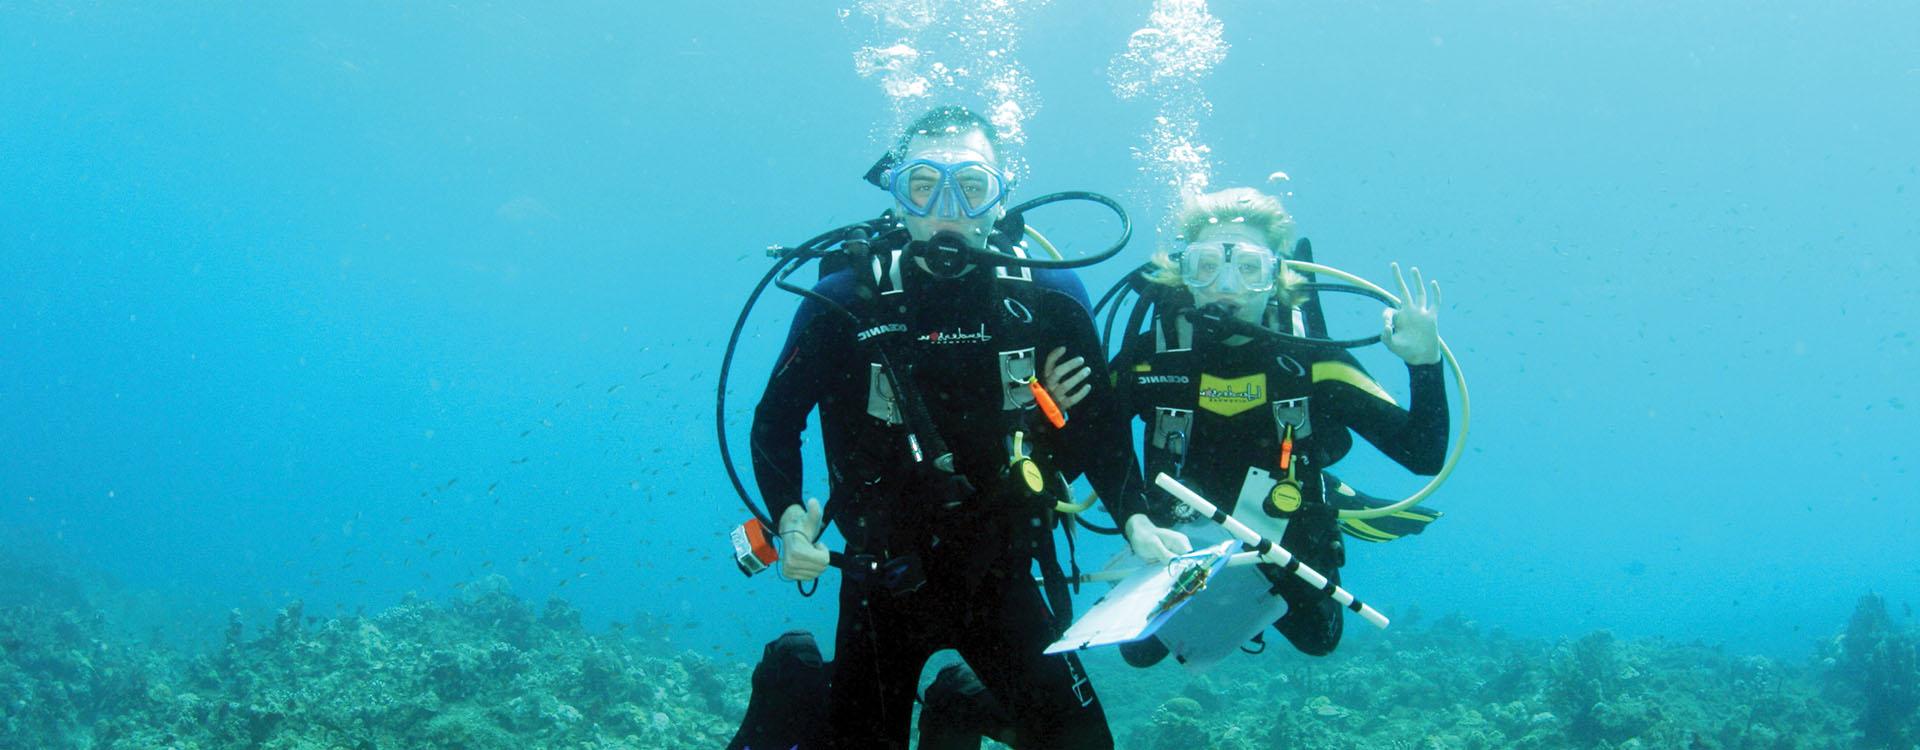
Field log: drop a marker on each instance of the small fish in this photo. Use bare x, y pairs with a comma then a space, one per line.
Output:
524, 433
615, 388
520, 460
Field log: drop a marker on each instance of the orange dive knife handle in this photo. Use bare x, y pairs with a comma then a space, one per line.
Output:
1286, 452
1047, 406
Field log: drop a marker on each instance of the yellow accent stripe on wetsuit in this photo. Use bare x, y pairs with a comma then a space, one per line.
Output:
1346, 373
1366, 531
1371, 533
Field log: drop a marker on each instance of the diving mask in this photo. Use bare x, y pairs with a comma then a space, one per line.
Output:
925, 187
1255, 268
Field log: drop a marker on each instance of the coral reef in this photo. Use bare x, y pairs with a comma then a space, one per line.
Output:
1453, 687
489, 670
484, 672
1877, 660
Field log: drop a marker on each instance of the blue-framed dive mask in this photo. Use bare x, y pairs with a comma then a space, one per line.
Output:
925, 187
1253, 267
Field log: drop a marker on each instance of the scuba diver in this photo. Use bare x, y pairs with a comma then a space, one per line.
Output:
945, 456
1247, 412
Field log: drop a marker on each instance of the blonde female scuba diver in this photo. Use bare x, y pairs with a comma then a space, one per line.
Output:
1252, 420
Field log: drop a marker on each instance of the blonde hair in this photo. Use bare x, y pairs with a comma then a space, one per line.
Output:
1259, 211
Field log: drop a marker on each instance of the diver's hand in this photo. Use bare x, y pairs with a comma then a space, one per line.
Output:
802, 558
1152, 543
1412, 330
1060, 378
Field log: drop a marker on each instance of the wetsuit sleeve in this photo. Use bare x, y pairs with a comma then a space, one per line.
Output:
798, 382
1415, 437
1096, 441
1065, 282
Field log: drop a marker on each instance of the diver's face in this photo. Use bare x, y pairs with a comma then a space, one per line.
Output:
971, 145
1229, 288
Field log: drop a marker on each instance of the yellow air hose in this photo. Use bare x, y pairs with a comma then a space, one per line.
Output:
1459, 378
1086, 502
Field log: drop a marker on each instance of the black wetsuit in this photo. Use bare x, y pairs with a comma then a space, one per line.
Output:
966, 344
1239, 401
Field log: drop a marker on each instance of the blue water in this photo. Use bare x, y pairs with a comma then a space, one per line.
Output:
341, 301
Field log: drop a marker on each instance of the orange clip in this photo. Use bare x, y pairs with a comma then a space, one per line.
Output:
1286, 451
753, 548
1047, 406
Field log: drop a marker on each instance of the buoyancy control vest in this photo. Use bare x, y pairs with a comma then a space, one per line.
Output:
1234, 422
967, 348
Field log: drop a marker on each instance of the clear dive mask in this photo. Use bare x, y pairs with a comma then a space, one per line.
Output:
924, 187
1254, 267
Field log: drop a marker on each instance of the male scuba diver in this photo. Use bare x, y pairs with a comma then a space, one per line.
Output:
944, 470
